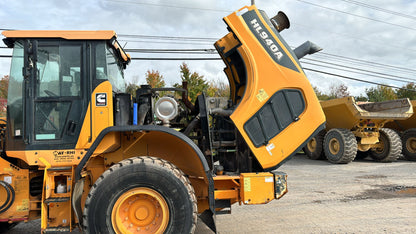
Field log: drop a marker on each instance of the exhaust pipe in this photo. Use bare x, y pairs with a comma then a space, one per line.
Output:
280, 21
306, 48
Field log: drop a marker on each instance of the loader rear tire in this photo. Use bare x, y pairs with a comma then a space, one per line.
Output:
389, 146
145, 194
409, 144
340, 146
314, 147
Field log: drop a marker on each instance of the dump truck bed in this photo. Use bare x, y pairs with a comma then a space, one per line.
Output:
404, 124
346, 113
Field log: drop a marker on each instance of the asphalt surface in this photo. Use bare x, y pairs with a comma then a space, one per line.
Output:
361, 197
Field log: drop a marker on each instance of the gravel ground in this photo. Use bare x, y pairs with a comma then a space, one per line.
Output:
361, 197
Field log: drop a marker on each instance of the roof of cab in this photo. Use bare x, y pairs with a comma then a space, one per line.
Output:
69, 35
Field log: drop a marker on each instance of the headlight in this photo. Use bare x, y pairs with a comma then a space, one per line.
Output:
166, 109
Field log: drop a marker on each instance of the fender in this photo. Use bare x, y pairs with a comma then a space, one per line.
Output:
135, 128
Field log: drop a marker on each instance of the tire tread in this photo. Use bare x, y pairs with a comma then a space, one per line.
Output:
349, 142
146, 160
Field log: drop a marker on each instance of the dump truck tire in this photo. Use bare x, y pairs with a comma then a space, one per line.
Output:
340, 146
409, 144
145, 194
314, 147
390, 146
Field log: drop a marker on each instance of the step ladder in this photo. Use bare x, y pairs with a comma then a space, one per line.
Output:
56, 210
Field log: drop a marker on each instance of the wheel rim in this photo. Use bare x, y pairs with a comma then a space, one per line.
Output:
312, 145
380, 146
140, 210
411, 144
334, 146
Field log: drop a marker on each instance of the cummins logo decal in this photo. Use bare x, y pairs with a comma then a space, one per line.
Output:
267, 40
100, 99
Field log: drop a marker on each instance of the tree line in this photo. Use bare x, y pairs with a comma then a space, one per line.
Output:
374, 94
196, 83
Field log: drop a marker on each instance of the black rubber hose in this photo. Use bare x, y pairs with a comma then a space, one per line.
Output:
10, 196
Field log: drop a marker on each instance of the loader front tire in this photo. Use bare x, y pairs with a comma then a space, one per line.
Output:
314, 147
141, 194
409, 144
340, 146
389, 147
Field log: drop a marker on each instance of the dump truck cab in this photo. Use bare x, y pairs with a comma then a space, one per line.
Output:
79, 151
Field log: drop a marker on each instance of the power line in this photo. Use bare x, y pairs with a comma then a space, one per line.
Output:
343, 59
173, 51
380, 9
173, 59
166, 37
165, 5
361, 73
168, 42
361, 62
359, 69
344, 36
360, 16
356, 79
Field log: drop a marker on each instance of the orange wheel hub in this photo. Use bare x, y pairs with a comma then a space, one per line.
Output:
411, 145
312, 144
334, 146
140, 210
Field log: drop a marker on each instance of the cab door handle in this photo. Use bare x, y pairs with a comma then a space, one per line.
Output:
72, 125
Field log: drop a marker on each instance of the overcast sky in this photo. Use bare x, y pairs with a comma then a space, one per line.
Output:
350, 33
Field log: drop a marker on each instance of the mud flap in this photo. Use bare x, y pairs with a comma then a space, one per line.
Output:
209, 219
76, 200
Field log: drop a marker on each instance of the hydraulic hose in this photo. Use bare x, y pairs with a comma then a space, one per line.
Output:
10, 196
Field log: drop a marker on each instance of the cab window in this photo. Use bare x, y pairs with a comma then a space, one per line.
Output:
57, 83
108, 67
14, 98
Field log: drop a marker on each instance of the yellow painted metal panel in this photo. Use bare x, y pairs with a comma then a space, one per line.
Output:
72, 35
265, 77
257, 188
18, 179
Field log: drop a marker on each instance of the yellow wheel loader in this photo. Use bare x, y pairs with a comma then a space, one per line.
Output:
78, 151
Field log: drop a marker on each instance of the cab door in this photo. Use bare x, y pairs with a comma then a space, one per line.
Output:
57, 90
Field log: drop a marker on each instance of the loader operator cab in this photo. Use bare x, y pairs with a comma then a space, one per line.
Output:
49, 89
